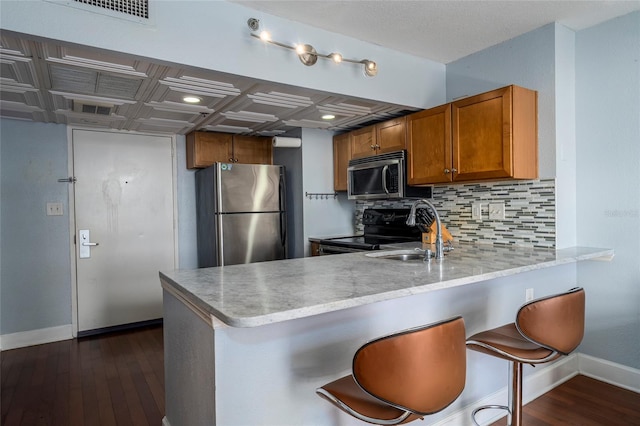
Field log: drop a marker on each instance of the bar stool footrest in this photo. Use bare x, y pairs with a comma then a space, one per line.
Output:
488, 407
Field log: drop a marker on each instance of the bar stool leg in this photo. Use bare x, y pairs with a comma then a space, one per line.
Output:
514, 415
514, 398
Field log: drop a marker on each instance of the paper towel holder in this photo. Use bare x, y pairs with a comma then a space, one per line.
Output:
285, 142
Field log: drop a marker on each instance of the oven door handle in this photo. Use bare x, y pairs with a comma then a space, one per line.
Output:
385, 169
326, 249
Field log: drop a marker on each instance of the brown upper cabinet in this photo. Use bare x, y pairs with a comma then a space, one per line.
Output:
387, 136
341, 157
429, 146
206, 148
488, 136
252, 150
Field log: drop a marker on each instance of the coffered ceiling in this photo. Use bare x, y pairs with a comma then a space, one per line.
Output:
45, 82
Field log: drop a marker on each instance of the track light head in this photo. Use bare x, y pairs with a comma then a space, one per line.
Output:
254, 24
307, 54
370, 68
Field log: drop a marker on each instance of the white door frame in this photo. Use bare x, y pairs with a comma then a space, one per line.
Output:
72, 211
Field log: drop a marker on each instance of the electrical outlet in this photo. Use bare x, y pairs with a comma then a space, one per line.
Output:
476, 212
54, 209
496, 211
528, 294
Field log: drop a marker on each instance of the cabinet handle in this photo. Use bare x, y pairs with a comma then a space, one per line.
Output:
373, 147
231, 159
454, 170
447, 171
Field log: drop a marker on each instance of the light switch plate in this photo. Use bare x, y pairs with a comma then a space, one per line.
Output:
476, 212
528, 295
496, 211
54, 209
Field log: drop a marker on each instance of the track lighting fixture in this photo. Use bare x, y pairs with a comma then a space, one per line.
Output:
307, 53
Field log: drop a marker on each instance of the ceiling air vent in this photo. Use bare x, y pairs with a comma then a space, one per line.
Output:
139, 8
96, 109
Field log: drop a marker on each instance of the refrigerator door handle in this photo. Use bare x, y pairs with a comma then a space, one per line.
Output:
283, 209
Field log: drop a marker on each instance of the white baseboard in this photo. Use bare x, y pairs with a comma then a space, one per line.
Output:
541, 382
610, 372
36, 337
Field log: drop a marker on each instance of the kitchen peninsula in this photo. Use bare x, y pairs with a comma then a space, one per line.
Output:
248, 344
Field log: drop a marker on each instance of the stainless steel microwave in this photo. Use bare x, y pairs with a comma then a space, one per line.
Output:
382, 177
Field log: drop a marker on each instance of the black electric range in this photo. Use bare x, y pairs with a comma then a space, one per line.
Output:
381, 226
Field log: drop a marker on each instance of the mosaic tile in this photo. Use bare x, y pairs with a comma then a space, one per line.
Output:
530, 212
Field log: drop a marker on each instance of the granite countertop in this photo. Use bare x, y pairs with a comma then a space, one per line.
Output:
256, 294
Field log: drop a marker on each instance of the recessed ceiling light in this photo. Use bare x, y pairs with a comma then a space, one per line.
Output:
328, 117
192, 99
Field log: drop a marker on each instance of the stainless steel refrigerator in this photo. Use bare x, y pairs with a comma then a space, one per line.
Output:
241, 215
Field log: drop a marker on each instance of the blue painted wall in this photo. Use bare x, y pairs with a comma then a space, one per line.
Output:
186, 195
35, 273
608, 144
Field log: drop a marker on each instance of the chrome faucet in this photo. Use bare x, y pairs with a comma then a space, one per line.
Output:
411, 221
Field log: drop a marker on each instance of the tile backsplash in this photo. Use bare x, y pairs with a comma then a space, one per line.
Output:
530, 212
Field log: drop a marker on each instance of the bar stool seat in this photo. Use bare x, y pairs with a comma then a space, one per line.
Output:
507, 343
545, 329
404, 376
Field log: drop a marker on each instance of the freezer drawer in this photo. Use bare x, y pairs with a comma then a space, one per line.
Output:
250, 237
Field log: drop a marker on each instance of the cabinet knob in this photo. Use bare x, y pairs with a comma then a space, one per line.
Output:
454, 170
373, 147
447, 171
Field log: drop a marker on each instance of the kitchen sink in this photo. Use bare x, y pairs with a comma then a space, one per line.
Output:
402, 255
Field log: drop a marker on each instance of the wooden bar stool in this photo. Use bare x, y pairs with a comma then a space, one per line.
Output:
404, 376
544, 330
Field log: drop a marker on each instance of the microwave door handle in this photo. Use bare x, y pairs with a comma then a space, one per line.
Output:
385, 169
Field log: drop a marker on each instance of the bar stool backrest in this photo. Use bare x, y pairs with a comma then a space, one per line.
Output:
421, 370
554, 322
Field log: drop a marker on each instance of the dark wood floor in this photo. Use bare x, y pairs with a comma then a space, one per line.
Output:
113, 379
583, 401
118, 379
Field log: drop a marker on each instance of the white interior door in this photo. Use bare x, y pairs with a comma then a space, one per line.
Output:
124, 199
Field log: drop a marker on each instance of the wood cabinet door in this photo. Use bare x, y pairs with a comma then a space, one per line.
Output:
341, 157
391, 135
252, 149
363, 142
429, 146
206, 148
482, 136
